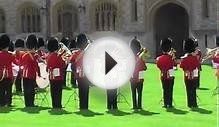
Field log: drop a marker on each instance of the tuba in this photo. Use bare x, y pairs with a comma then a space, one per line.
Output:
64, 51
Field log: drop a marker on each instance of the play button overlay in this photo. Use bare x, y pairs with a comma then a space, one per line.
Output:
109, 63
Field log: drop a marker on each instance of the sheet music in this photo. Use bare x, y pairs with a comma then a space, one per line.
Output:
56, 72
141, 75
195, 73
171, 72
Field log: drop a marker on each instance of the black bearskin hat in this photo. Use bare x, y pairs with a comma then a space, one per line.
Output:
135, 46
11, 46
19, 43
53, 44
166, 44
41, 42
65, 41
81, 41
189, 45
31, 42
4, 41
72, 44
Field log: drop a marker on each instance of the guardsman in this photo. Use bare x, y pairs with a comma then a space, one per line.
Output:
55, 67
215, 62
19, 48
198, 54
41, 51
190, 65
65, 41
30, 70
137, 79
166, 64
76, 60
6, 75
72, 47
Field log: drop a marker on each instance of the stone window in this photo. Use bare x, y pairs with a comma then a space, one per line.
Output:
105, 17
2, 21
134, 10
30, 19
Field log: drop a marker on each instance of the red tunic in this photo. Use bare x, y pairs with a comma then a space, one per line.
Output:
41, 55
77, 64
189, 64
18, 58
6, 64
139, 66
30, 66
55, 66
215, 59
165, 63
198, 54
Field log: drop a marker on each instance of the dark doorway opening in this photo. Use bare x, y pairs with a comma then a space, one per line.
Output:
171, 20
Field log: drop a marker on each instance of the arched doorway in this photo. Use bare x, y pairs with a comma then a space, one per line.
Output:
171, 20
65, 19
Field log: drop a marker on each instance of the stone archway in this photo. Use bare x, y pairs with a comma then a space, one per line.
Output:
171, 20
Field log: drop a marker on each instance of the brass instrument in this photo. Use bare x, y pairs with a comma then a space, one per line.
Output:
64, 52
143, 54
172, 53
210, 53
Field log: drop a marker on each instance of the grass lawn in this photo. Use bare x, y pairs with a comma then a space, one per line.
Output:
152, 115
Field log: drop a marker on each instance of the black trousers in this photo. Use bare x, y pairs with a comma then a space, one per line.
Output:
137, 94
18, 86
29, 91
6, 92
65, 74
56, 93
73, 81
167, 86
83, 87
191, 93
112, 99
197, 81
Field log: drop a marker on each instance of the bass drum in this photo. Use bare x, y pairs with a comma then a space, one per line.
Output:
43, 81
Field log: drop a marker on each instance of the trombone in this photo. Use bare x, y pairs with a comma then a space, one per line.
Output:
210, 53
143, 54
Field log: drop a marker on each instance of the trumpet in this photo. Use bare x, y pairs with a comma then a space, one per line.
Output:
210, 53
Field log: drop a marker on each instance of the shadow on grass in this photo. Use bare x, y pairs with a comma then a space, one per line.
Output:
177, 111
88, 113
7, 109
58, 112
203, 89
202, 111
145, 113
33, 110
117, 112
